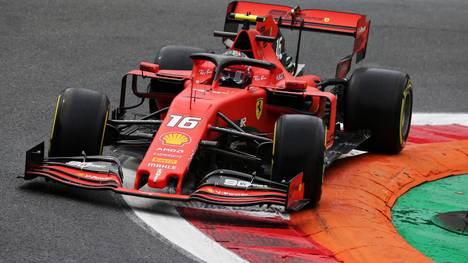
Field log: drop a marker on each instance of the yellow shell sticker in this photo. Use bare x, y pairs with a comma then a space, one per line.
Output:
326, 19
259, 108
175, 138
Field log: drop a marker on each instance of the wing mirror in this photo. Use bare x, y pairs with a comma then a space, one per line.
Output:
295, 85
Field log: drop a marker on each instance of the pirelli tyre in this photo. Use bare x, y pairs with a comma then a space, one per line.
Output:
381, 101
171, 57
299, 146
79, 123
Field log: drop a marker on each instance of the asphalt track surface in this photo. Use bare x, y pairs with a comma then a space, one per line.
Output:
46, 46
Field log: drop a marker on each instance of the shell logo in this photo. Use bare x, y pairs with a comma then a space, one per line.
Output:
175, 138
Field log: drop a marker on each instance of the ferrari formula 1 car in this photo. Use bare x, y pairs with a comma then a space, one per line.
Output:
242, 128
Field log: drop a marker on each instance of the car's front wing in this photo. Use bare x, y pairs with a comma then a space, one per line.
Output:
220, 187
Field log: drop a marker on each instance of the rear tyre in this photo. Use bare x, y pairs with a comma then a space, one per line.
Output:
172, 58
299, 146
381, 101
79, 123
176, 57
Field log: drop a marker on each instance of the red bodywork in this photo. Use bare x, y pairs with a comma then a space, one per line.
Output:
193, 110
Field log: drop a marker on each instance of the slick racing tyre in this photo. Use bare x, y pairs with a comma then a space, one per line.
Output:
176, 57
380, 101
171, 58
299, 146
79, 123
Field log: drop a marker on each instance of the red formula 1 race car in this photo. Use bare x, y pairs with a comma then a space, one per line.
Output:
241, 128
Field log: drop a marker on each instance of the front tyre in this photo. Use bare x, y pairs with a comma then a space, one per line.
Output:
381, 101
79, 123
299, 146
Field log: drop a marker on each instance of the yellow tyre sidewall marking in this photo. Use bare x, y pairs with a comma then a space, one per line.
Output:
324, 152
405, 95
274, 143
104, 131
55, 117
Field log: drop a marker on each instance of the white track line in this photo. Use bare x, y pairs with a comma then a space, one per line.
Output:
439, 118
165, 220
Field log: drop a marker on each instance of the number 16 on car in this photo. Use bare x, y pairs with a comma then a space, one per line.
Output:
183, 122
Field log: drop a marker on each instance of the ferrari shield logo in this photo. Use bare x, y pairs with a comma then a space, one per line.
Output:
259, 108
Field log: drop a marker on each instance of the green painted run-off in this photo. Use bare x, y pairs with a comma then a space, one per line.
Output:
414, 210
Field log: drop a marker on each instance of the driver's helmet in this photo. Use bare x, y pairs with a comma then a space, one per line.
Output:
237, 76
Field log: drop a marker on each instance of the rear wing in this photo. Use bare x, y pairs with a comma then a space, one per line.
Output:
341, 23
